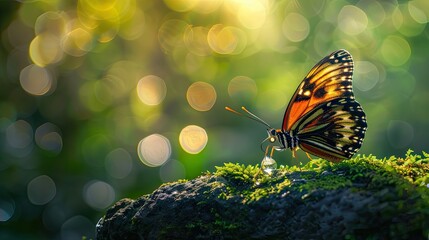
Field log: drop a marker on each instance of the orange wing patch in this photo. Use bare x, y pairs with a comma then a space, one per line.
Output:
331, 78
318, 152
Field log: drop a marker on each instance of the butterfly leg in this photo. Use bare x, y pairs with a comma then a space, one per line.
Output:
266, 150
311, 159
272, 152
308, 155
294, 156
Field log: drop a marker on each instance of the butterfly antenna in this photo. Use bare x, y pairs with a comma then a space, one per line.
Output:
250, 116
233, 111
256, 117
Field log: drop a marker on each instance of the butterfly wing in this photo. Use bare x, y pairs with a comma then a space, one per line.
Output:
333, 130
329, 79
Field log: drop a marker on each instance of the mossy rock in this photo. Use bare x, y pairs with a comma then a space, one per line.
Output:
361, 198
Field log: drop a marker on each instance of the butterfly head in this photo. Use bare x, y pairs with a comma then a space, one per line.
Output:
273, 139
272, 135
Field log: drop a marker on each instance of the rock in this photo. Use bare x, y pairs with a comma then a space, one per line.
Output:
359, 198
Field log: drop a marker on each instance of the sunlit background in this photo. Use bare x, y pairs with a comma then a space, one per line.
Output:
106, 99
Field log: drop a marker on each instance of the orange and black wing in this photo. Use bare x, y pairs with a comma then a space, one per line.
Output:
332, 130
329, 79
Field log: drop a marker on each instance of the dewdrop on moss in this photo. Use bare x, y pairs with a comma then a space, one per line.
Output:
268, 165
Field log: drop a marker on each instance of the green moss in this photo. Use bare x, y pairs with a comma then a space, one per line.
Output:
174, 183
237, 173
360, 198
250, 184
388, 178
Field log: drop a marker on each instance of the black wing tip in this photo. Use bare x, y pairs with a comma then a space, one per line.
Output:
341, 53
342, 50
340, 56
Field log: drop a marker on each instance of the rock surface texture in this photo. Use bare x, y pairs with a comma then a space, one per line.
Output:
356, 199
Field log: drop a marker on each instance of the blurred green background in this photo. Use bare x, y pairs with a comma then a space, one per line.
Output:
106, 99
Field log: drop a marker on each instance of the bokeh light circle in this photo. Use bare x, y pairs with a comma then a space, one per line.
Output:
308, 8
252, 15
154, 150
367, 75
193, 139
7, 208
19, 134
118, 163
48, 138
181, 5
98, 194
295, 27
36, 80
226, 39
50, 28
151, 90
41, 190
242, 87
375, 12
19, 35
172, 171
352, 20
207, 6
170, 34
45, 49
77, 42
195, 39
104, 18
416, 13
53, 22
76, 227
395, 50
201, 96
54, 214
404, 19
133, 28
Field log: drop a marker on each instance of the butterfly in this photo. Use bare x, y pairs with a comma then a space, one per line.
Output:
322, 118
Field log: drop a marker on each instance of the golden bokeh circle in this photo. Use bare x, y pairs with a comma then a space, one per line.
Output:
77, 42
253, 14
151, 90
201, 96
45, 49
226, 39
193, 139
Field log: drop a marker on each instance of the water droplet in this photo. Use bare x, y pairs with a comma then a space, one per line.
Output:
268, 165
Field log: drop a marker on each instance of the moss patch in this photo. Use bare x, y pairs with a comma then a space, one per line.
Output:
363, 197
361, 171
